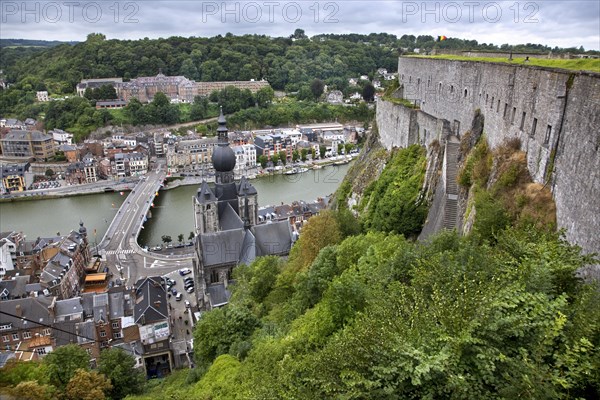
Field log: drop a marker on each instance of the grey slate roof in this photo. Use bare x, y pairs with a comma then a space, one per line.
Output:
205, 194
273, 239
219, 295
87, 302
151, 301
32, 308
101, 307
15, 286
222, 247
68, 307
16, 135
230, 219
245, 187
116, 302
248, 253
87, 329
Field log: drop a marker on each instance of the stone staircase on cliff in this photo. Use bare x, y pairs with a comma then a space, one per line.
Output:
451, 200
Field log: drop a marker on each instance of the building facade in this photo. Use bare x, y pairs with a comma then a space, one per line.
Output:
27, 144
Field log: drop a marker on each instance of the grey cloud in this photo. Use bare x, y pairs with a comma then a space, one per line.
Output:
562, 23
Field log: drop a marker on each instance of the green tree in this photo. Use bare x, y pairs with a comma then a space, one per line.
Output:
49, 172
62, 363
180, 238
262, 160
275, 158
191, 236
166, 239
120, 368
219, 330
199, 109
295, 156
313, 153
283, 157
303, 154
264, 96
322, 151
368, 92
87, 385
316, 88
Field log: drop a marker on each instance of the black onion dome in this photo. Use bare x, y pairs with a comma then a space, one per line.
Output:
223, 159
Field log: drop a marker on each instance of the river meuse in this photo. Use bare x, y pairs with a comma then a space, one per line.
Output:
172, 214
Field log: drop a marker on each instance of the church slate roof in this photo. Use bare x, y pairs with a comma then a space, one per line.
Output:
223, 247
230, 219
245, 187
205, 194
219, 295
248, 253
273, 238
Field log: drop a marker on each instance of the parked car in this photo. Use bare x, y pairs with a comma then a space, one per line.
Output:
174, 291
187, 304
185, 271
190, 289
178, 297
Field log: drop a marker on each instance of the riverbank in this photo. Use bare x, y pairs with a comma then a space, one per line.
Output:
129, 183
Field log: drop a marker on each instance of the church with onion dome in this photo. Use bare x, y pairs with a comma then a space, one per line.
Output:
226, 226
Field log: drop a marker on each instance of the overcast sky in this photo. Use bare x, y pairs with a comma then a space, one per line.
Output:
553, 23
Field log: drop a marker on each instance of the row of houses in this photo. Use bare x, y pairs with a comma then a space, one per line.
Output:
49, 297
135, 319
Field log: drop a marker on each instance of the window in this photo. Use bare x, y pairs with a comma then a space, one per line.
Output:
465, 94
115, 325
214, 276
492, 103
5, 338
46, 332
117, 335
548, 132
40, 350
487, 97
26, 335
15, 336
505, 110
533, 127
102, 333
523, 120
512, 117
451, 88
89, 351
498, 106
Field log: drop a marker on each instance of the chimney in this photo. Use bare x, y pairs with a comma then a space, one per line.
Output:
18, 311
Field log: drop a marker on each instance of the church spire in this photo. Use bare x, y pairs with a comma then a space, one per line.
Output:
223, 158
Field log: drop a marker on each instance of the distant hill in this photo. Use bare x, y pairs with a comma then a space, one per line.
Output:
32, 43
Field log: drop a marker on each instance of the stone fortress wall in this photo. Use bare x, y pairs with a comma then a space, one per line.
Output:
555, 113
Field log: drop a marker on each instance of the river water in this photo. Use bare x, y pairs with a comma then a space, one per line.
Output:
172, 214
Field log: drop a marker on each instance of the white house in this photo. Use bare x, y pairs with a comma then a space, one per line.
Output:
61, 137
294, 134
245, 156
364, 78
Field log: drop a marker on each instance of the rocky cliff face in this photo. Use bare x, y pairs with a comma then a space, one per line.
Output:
555, 114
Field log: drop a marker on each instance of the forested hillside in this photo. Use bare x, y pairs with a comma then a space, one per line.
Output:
358, 311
